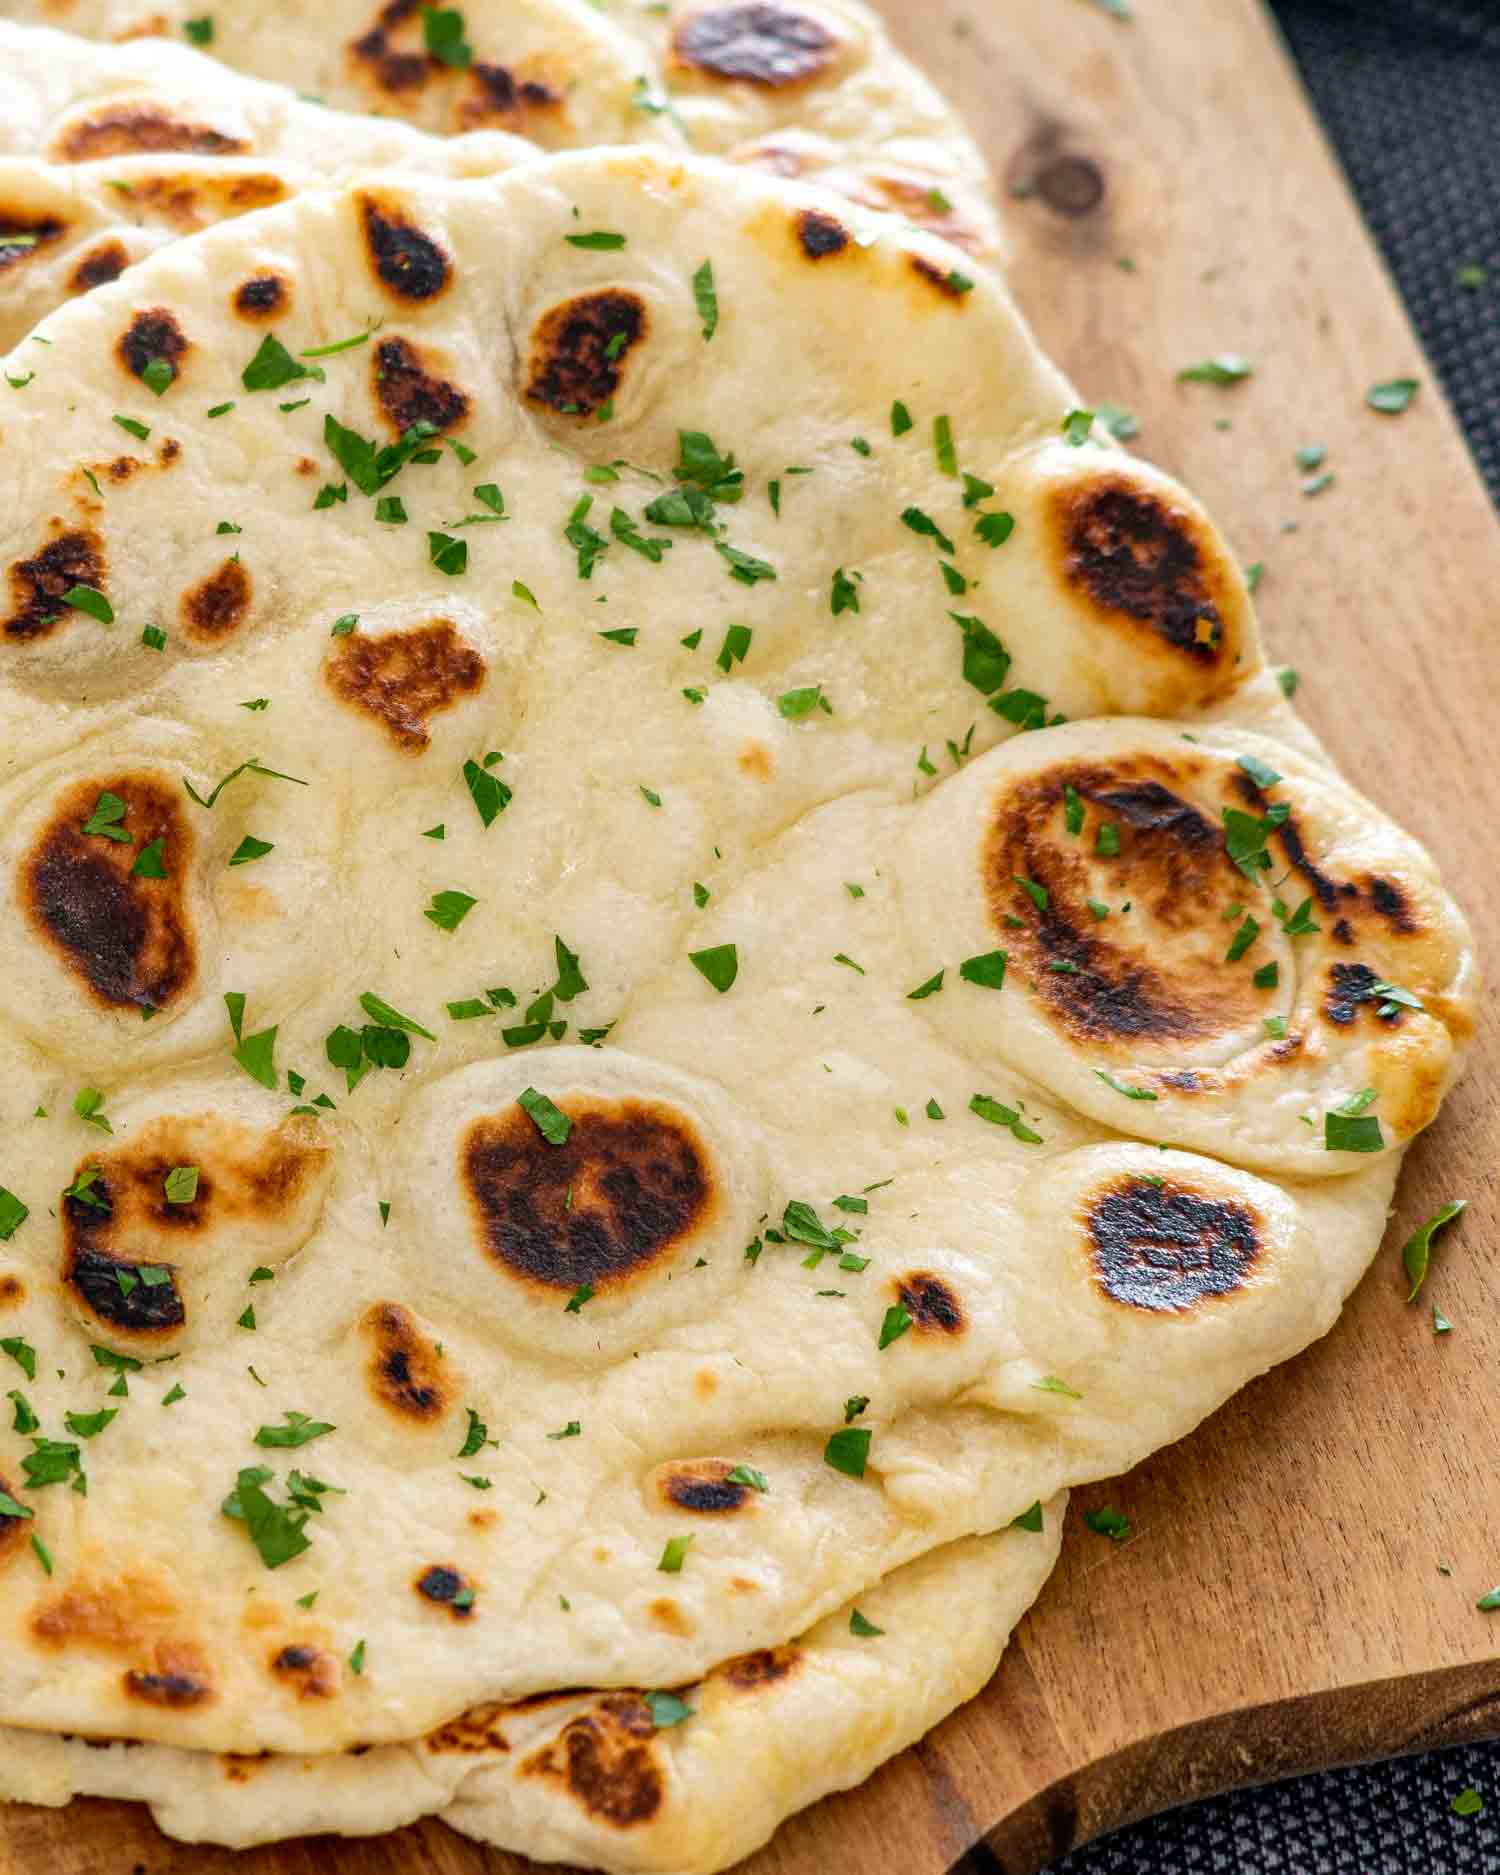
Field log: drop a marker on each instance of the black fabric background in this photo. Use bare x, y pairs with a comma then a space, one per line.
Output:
1409, 90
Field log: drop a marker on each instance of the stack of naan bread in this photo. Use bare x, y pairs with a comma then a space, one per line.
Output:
669, 954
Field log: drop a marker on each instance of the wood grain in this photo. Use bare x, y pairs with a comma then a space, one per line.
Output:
1281, 1606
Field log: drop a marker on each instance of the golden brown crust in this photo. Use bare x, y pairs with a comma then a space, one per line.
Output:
607, 1761
406, 1374
131, 129
403, 679
218, 604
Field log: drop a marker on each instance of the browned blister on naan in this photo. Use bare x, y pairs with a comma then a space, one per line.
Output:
1207, 926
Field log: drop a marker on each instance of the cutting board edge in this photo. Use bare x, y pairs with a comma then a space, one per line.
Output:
1229, 1751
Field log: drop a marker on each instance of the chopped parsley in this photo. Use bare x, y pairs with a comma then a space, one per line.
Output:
273, 366
793, 704
1417, 1250
443, 36
1348, 1128
1123, 1087
446, 552
550, 1121
995, 529
666, 1709
1224, 369
276, 1532
674, 1555
998, 1114
897, 1322
13, 1214
718, 965
299, 1430
706, 298
449, 909
89, 599
250, 849
987, 971
180, 1187
1393, 396
848, 1450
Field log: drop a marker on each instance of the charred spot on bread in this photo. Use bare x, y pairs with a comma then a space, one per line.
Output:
310, 1671
704, 1486
127, 940
1159, 1245
578, 349
449, 1587
219, 603
1108, 982
607, 1760
406, 1374
409, 393
262, 296
405, 259
154, 337
932, 1303
759, 42
98, 267
1132, 552
607, 1207
72, 557
820, 234
23, 236
748, 1673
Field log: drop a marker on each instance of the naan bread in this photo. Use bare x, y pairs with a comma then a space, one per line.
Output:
109, 152
737, 1181
576, 1777
818, 91
810, 88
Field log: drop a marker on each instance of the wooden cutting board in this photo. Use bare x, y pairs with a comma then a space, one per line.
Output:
1281, 1606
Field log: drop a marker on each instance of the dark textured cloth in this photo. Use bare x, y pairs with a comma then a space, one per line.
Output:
1409, 90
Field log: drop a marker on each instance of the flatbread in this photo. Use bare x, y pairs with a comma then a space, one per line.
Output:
579, 1778
810, 88
109, 152
705, 914
819, 91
